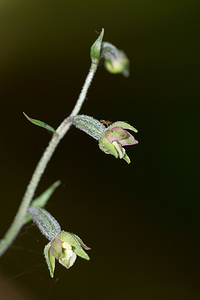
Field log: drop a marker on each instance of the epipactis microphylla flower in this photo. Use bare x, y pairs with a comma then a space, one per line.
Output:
111, 139
63, 246
115, 137
116, 60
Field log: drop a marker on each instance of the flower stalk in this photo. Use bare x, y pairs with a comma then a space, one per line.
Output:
18, 222
65, 246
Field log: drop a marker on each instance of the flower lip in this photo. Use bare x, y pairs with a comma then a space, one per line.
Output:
68, 258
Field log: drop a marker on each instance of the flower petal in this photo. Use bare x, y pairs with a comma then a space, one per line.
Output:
56, 248
120, 150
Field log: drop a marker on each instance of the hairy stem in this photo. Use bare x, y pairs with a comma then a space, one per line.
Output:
18, 222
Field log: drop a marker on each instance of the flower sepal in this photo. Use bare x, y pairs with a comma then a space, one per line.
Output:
50, 259
123, 125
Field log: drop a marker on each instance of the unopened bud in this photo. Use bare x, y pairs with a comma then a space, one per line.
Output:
116, 60
96, 48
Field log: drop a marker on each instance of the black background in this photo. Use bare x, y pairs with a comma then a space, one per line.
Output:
141, 220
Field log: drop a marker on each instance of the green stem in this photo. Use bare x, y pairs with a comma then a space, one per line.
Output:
18, 222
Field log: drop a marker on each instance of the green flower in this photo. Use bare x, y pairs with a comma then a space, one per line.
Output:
116, 60
115, 137
111, 139
65, 248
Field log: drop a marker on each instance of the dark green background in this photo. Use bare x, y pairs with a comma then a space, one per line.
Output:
141, 220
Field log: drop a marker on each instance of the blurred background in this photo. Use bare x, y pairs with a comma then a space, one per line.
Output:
141, 220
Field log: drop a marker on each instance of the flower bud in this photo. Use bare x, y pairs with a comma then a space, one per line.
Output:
116, 60
96, 48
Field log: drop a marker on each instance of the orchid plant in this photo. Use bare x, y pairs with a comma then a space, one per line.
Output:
112, 137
